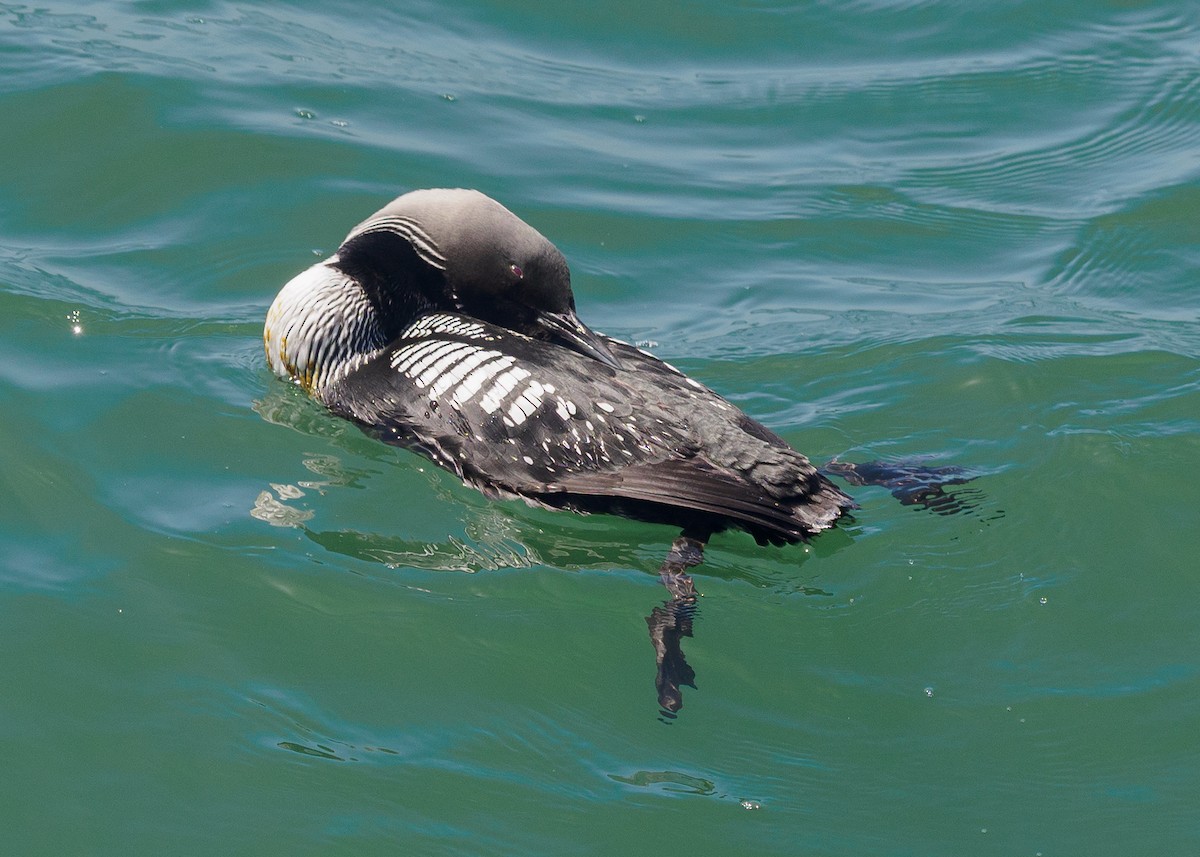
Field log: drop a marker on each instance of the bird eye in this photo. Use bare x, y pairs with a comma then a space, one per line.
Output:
517, 272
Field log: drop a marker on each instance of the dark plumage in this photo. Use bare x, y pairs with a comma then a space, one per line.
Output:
447, 325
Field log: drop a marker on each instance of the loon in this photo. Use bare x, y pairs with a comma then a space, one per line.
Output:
446, 324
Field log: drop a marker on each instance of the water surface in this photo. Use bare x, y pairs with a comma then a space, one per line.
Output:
233, 624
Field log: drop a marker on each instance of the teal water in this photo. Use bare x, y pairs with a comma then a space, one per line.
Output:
232, 624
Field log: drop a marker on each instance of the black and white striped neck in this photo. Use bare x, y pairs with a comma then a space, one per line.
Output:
429, 251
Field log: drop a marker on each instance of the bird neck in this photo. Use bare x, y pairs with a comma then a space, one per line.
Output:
322, 325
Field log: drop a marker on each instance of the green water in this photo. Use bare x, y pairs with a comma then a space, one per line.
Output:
232, 624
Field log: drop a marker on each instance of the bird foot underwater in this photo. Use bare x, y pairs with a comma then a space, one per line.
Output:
913, 483
672, 621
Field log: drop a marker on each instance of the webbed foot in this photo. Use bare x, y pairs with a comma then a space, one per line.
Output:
913, 483
672, 621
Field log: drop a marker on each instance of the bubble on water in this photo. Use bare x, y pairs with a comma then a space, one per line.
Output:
751, 804
1042, 600
305, 114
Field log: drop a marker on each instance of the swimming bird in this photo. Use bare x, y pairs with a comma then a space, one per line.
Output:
446, 324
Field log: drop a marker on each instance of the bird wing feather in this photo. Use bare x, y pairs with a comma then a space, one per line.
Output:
645, 434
